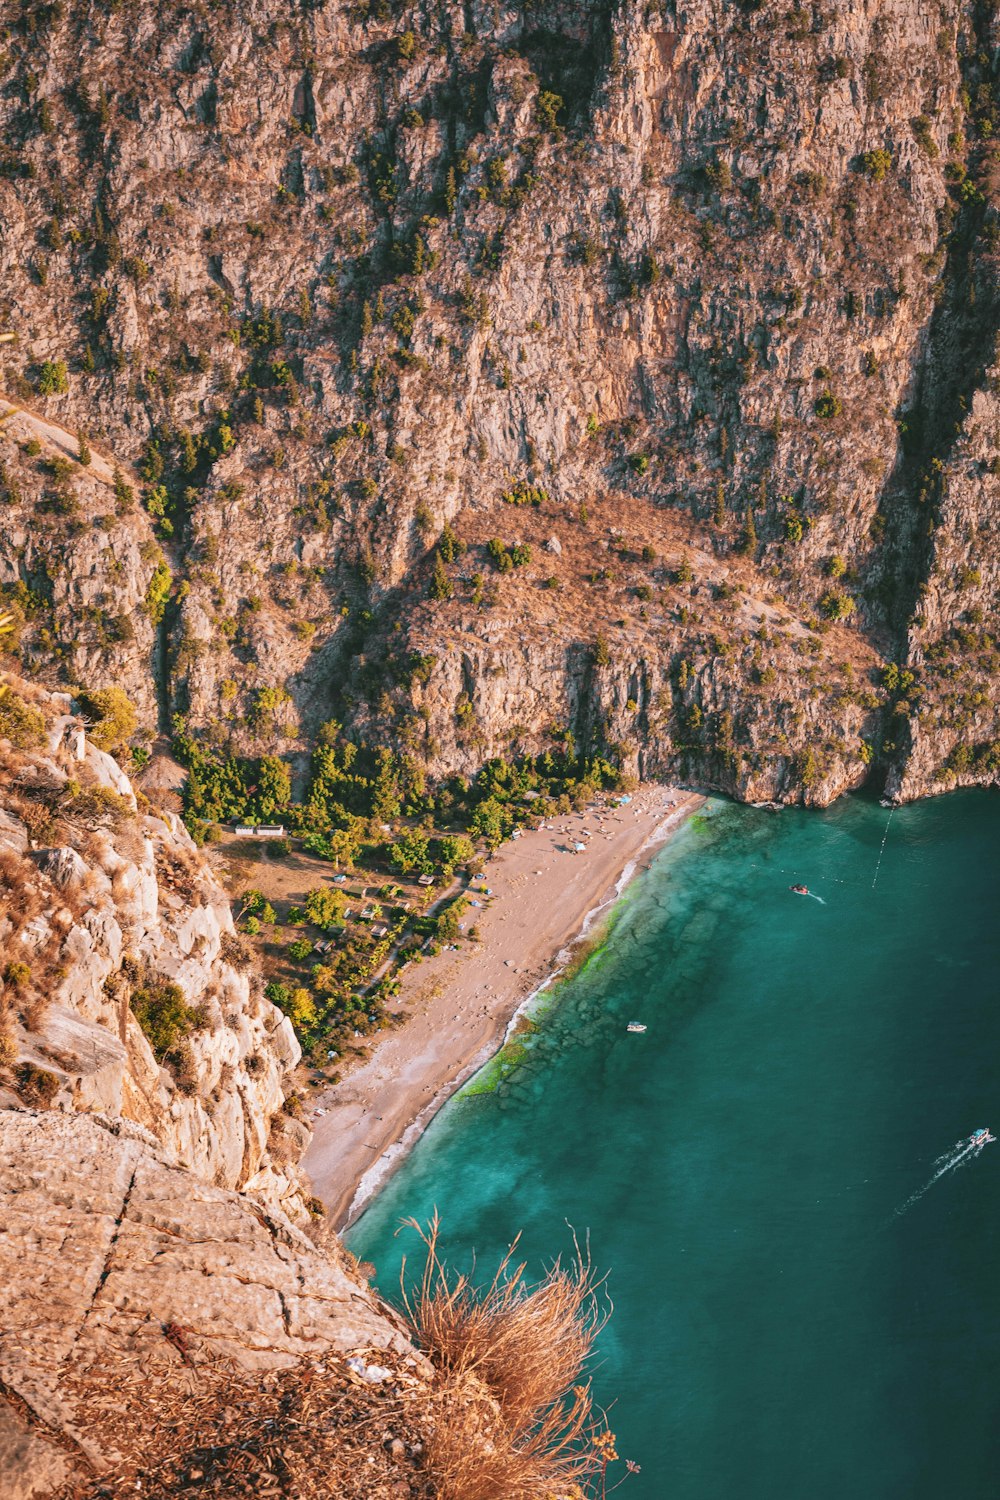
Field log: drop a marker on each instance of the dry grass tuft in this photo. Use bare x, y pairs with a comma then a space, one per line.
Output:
511, 1418
505, 1417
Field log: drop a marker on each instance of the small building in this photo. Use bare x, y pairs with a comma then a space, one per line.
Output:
425, 880
379, 930
259, 831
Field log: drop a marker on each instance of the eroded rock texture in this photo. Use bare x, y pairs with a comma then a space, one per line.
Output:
715, 285
113, 1258
113, 925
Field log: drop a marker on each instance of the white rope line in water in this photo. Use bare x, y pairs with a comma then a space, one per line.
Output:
878, 862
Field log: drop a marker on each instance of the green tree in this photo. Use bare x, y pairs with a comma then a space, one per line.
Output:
448, 930
549, 105
301, 1008
344, 847
448, 544
163, 1014
876, 164
256, 904
441, 585
53, 378
386, 803
274, 786
836, 605
748, 542
719, 511
491, 821
157, 592
113, 714
83, 453
411, 851
454, 850
325, 908
498, 552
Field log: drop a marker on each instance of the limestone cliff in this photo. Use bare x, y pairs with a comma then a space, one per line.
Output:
327, 282
126, 991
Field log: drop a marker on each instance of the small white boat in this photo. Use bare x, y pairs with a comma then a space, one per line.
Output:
635, 1026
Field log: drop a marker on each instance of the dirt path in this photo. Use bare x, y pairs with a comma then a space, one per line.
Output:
23, 424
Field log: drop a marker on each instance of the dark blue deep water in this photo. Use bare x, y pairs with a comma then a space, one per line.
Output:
780, 1332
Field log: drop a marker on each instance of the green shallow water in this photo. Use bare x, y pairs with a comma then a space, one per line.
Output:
779, 1331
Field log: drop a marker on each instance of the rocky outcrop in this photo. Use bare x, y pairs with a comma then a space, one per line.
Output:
114, 1259
127, 988
81, 572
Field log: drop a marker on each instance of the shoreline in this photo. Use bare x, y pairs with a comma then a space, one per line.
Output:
459, 1008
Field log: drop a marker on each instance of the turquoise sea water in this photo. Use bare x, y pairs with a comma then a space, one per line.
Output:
780, 1332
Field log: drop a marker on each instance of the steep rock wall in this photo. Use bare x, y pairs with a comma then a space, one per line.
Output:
353, 275
110, 912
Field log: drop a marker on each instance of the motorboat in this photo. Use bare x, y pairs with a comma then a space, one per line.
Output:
638, 1026
981, 1137
800, 890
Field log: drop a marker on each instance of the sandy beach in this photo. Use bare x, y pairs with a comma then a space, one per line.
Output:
459, 1004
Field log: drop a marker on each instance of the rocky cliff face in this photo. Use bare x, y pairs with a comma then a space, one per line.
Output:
144, 1080
127, 992
724, 284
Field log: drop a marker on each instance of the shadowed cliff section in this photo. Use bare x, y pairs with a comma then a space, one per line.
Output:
957, 351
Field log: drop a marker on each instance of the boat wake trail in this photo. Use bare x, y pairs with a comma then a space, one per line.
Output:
961, 1153
815, 897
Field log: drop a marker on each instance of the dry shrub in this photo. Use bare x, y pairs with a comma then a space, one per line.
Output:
235, 952
36, 1086
8, 1046
511, 1418
37, 816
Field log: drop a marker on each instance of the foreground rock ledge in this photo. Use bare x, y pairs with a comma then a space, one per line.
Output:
107, 1251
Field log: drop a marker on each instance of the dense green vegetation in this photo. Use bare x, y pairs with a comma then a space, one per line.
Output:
357, 793
164, 1015
373, 807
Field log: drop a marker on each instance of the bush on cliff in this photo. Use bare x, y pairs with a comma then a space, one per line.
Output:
20, 723
512, 1418
113, 715
163, 1015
